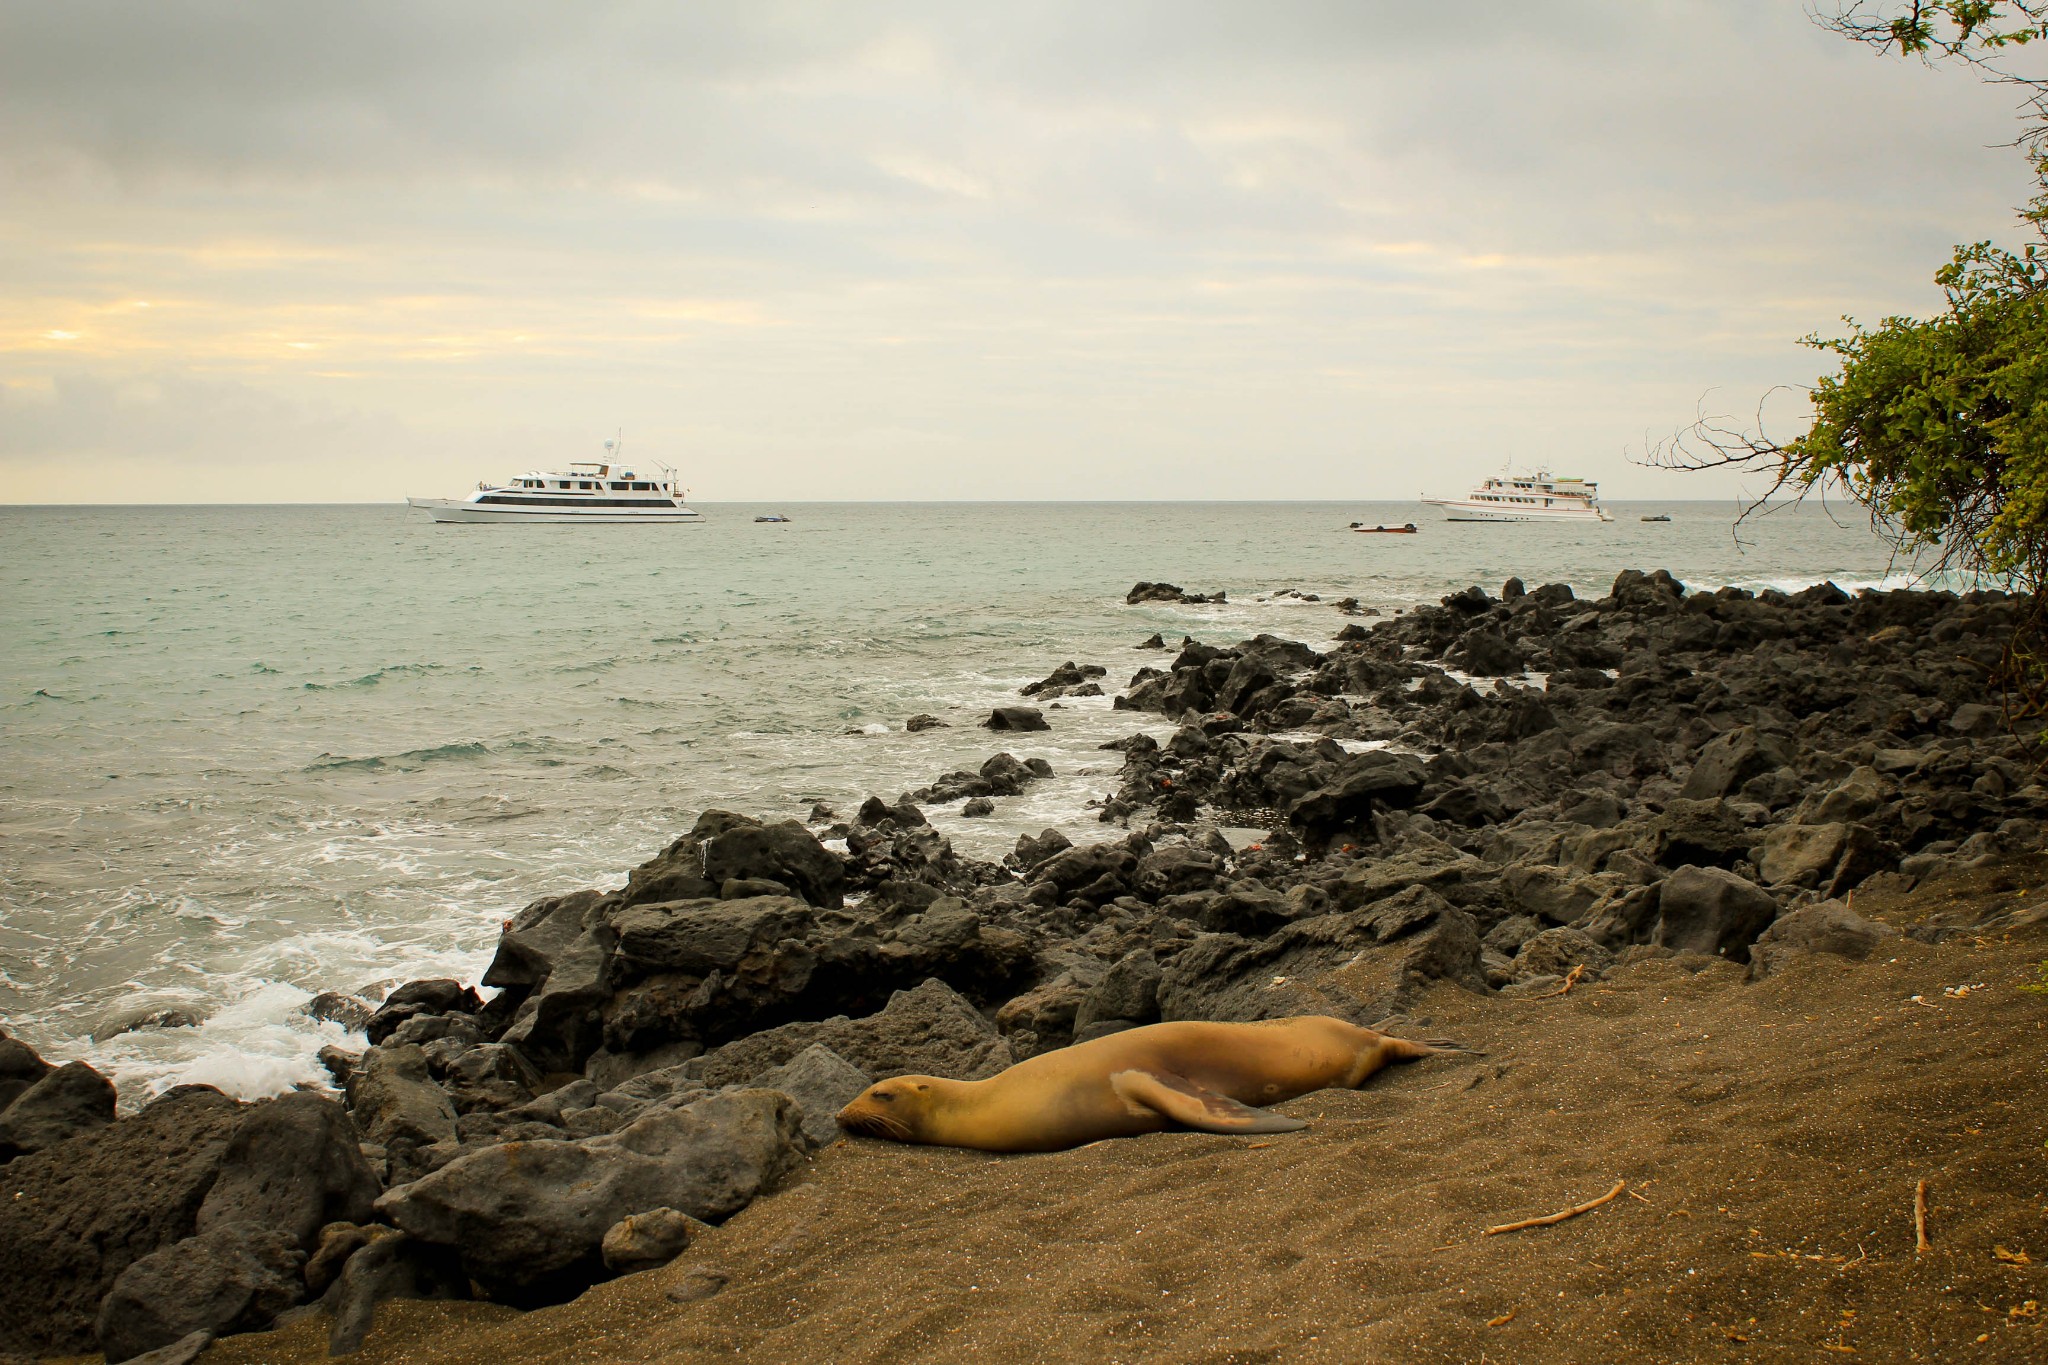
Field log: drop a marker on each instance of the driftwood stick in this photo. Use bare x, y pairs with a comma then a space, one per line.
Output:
1920, 1242
1572, 1212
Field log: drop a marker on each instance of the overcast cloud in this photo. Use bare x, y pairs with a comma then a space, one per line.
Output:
1031, 250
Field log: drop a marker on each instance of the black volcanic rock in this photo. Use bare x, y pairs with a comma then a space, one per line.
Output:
80, 1213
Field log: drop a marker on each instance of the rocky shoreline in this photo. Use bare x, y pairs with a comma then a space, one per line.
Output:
1511, 793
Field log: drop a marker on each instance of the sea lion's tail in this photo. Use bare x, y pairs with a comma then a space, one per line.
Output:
1409, 1050
1445, 1046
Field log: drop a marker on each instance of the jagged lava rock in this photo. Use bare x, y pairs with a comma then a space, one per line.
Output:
65, 1102
645, 1241
1711, 910
1830, 927
80, 1213
234, 1277
930, 1030
529, 1218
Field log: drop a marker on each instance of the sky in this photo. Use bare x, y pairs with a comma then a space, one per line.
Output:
1152, 249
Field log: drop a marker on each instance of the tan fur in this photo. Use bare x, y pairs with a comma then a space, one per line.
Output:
1071, 1096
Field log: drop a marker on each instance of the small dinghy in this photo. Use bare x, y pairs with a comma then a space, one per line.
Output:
1363, 529
777, 516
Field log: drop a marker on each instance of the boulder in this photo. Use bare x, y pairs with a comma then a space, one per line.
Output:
922, 721
387, 1265
1731, 760
1830, 927
1507, 937
1402, 913
677, 872
1064, 679
335, 1007
875, 811
785, 852
1802, 855
67, 1101
1157, 592
293, 1165
1977, 720
534, 938
1045, 1013
20, 1068
1016, 718
140, 1017
1858, 796
398, 1108
1100, 871
235, 1277
183, 1351
650, 1240
1554, 893
417, 998
1363, 783
708, 972
560, 1025
331, 1251
80, 1213
1330, 964
1031, 852
822, 1082
1128, 992
1176, 870
529, 1218
490, 1076
1247, 909
932, 1031
1621, 748
1705, 833
1711, 910
1554, 952
1451, 872
1484, 652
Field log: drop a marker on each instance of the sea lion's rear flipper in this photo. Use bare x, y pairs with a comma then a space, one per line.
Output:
1181, 1100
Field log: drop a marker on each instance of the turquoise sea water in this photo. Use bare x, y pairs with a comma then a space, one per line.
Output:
251, 753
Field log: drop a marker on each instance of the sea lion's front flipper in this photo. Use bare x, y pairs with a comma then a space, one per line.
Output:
1181, 1100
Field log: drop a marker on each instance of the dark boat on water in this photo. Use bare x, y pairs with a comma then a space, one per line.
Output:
775, 517
1363, 529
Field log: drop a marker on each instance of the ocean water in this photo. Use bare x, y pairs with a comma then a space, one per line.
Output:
252, 753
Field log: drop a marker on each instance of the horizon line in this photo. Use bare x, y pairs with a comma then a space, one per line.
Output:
948, 502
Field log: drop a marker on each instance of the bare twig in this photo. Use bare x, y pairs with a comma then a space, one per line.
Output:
1920, 1242
1572, 1212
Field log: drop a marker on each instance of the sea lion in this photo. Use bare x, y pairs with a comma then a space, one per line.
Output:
1191, 1075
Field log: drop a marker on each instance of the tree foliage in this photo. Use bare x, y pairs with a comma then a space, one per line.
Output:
1940, 426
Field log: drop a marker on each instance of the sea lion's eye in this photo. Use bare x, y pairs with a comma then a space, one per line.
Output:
887, 1097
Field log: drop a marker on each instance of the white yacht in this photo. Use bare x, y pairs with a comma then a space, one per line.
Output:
1526, 497
603, 491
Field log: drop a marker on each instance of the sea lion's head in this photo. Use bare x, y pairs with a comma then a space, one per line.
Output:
899, 1108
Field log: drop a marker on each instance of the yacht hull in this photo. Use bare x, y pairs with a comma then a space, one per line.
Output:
1466, 511
462, 510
